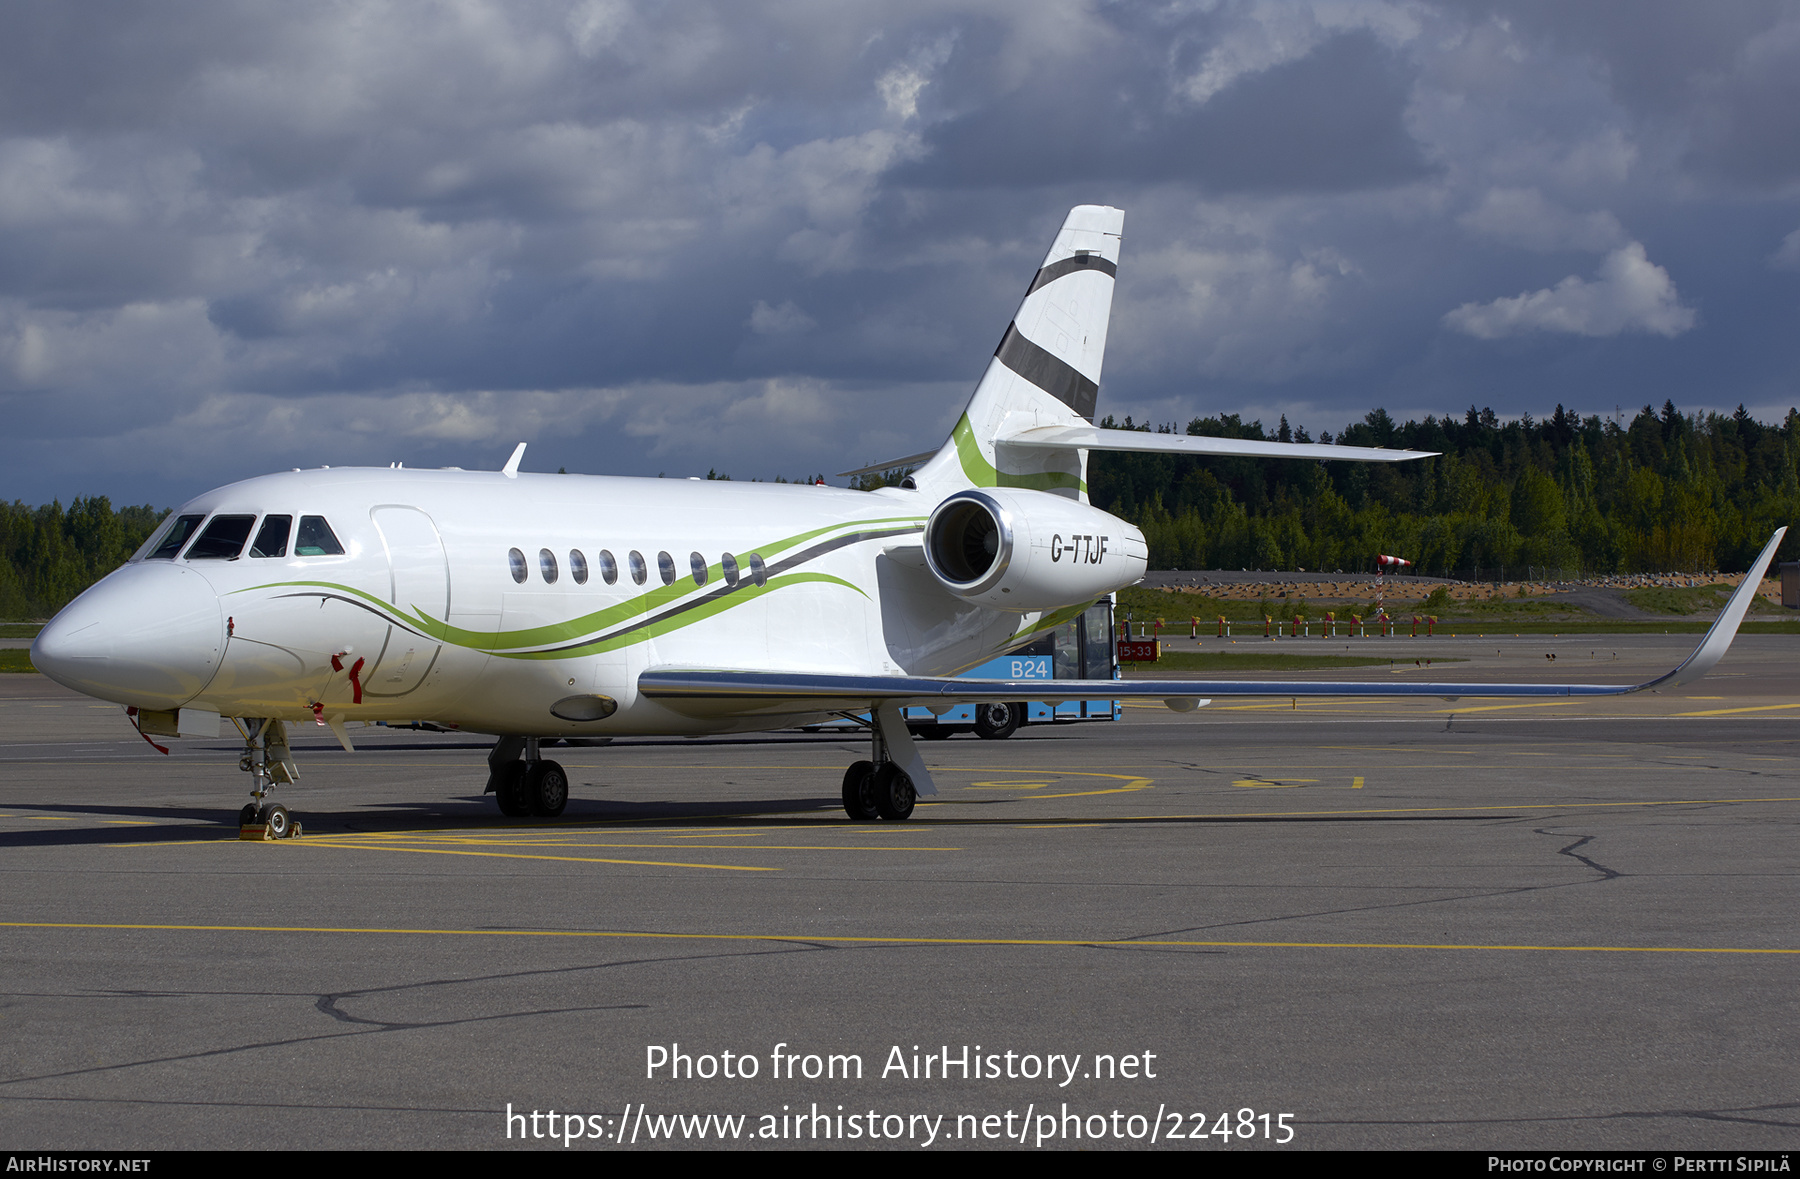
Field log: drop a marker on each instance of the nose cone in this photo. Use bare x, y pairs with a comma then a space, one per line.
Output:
149, 634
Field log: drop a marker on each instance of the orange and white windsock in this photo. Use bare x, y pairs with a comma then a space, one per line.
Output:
1384, 559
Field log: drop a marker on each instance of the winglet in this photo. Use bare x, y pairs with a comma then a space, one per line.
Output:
511, 469
1712, 648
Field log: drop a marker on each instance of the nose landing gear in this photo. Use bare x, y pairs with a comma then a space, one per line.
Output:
268, 760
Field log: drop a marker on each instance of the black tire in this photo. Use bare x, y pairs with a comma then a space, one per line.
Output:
894, 793
859, 791
510, 795
275, 818
247, 816
587, 741
546, 789
995, 721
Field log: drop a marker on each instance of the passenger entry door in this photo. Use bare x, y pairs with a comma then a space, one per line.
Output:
420, 584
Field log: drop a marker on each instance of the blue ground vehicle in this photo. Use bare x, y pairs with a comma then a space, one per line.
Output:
1081, 649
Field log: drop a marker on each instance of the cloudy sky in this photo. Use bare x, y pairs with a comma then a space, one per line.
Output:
775, 238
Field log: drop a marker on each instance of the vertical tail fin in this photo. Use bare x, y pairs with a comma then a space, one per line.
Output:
1046, 371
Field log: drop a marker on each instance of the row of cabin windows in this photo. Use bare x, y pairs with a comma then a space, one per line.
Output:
640, 571
224, 536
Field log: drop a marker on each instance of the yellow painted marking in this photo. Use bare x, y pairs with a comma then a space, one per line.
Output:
374, 843
317, 841
1703, 697
128, 822
1125, 943
1729, 711
1006, 786
1440, 810
1356, 783
1274, 781
52, 818
1499, 707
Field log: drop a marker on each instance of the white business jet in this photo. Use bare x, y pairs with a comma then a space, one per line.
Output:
534, 607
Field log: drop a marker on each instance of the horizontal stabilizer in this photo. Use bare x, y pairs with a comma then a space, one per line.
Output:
716, 692
1097, 438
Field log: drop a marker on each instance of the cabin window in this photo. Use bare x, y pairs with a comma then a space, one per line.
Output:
223, 539
316, 539
177, 536
728, 564
665, 565
547, 566
759, 573
640, 573
272, 537
697, 563
520, 570
609, 568
578, 566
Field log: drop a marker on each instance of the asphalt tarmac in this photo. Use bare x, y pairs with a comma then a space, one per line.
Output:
1492, 925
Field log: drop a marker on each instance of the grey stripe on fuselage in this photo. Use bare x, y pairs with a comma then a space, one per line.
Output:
726, 589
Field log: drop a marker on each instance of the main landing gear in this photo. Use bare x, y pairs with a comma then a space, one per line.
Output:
268, 761
878, 788
527, 787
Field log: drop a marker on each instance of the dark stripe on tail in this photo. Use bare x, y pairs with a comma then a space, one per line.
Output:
1056, 270
1055, 377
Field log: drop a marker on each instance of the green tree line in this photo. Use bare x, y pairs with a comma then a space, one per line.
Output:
1665, 492
49, 554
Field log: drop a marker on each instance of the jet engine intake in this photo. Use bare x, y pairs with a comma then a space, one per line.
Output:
1029, 550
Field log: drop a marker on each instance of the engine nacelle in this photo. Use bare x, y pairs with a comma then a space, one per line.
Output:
1029, 550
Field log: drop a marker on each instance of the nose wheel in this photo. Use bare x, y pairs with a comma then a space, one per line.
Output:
268, 760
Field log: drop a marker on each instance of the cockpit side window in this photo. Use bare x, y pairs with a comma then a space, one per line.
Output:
176, 537
223, 539
316, 539
272, 537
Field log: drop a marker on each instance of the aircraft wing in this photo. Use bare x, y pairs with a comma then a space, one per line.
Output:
731, 692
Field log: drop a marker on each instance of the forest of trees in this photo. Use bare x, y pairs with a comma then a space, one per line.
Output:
48, 554
1665, 492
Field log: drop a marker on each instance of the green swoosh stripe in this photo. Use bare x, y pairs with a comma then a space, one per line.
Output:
650, 630
982, 473
1050, 621
649, 603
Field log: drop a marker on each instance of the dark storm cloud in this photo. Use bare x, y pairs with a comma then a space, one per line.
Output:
1333, 120
1724, 78
744, 235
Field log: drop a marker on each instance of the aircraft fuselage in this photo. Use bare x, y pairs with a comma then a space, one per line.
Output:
517, 604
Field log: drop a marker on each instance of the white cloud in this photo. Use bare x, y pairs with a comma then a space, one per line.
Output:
785, 320
1631, 294
1267, 35
1522, 217
1788, 256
